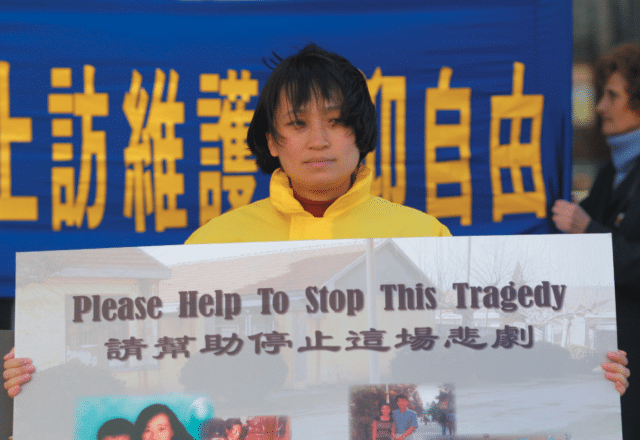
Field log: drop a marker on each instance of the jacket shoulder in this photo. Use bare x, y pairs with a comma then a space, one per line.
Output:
404, 220
258, 221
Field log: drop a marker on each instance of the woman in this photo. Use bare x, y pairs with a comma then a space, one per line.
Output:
613, 203
158, 422
383, 428
312, 128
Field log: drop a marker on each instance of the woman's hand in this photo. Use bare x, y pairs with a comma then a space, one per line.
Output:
570, 217
617, 371
16, 372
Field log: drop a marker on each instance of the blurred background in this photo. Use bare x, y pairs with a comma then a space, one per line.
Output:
598, 25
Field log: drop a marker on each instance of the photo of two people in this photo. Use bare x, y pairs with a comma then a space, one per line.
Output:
402, 411
178, 417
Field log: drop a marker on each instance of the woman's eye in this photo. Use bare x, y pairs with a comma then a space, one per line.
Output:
296, 123
336, 121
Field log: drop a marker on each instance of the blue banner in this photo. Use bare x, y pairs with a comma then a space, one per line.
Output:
125, 125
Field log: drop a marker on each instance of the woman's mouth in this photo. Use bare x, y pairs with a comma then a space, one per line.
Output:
319, 162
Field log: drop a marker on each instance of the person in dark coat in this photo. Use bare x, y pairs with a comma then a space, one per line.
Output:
613, 206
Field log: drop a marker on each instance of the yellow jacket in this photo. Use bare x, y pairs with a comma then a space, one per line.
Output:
356, 214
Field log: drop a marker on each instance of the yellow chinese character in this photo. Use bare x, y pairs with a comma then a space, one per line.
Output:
158, 133
68, 204
240, 189
233, 122
23, 208
517, 154
392, 90
210, 181
210, 195
138, 194
167, 149
451, 136
231, 130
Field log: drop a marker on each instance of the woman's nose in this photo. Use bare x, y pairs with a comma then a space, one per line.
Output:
319, 136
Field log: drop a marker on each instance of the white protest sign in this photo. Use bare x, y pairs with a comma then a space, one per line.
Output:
497, 336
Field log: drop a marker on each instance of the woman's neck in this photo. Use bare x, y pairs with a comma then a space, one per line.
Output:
317, 202
313, 207
325, 193
624, 148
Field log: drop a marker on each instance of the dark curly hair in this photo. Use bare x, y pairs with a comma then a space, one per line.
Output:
313, 72
179, 431
624, 59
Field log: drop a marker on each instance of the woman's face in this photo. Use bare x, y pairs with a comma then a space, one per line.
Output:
234, 433
385, 410
158, 428
614, 108
316, 151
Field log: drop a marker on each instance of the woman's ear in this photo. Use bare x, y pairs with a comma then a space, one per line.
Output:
271, 143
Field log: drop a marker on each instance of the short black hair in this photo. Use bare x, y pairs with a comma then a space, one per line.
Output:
402, 396
313, 71
230, 423
213, 428
114, 427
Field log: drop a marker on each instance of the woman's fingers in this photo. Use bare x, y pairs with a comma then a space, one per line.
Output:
13, 385
13, 391
17, 367
621, 388
616, 371
16, 372
619, 356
